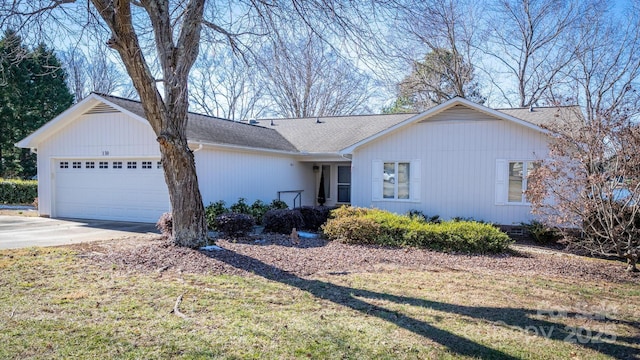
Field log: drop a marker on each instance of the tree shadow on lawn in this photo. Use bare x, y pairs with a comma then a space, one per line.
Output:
513, 318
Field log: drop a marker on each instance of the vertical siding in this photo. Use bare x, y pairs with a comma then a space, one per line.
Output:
458, 150
89, 136
229, 175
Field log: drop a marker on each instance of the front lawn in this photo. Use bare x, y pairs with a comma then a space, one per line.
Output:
275, 300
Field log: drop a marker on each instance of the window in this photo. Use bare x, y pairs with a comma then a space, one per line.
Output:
396, 180
64, 164
146, 164
132, 164
344, 184
89, 165
77, 164
518, 173
103, 164
159, 165
117, 164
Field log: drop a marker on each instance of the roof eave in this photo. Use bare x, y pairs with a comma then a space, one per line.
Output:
241, 147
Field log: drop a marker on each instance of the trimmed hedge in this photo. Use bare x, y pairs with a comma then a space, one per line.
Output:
378, 227
18, 191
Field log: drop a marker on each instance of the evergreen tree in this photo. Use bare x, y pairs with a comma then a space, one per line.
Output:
32, 92
441, 76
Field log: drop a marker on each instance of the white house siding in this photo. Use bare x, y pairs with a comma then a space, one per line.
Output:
99, 137
228, 175
457, 150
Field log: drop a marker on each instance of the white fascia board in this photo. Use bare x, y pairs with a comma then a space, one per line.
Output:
197, 144
52, 126
438, 109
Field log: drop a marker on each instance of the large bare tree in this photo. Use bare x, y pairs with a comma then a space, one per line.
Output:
527, 39
158, 42
94, 71
591, 180
303, 76
225, 85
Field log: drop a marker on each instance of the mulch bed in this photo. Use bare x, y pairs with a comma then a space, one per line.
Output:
276, 256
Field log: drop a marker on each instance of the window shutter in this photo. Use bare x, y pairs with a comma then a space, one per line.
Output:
502, 181
416, 179
377, 168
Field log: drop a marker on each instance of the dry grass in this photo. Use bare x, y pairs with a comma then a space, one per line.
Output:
65, 303
10, 212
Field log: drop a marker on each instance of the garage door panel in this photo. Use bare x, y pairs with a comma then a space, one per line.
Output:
124, 194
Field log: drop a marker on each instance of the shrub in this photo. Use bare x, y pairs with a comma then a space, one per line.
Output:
372, 226
540, 233
314, 217
353, 230
235, 224
165, 225
240, 207
419, 215
258, 209
282, 220
18, 191
212, 211
278, 204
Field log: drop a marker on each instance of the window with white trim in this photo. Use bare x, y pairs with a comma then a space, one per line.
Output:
64, 164
396, 180
77, 164
90, 165
344, 184
132, 164
512, 180
103, 164
518, 180
159, 165
146, 164
117, 165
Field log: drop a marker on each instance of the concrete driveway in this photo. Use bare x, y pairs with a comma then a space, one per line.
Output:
20, 232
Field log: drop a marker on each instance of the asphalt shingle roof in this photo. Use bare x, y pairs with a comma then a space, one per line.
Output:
317, 134
544, 116
331, 134
212, 130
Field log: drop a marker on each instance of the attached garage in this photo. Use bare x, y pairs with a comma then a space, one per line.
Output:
114, 189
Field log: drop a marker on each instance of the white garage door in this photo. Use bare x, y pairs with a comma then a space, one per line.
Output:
123, 189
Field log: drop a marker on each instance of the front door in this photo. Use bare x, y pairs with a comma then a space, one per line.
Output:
334, 184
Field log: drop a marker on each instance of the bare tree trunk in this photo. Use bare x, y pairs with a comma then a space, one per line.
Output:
167, 116
189, 226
